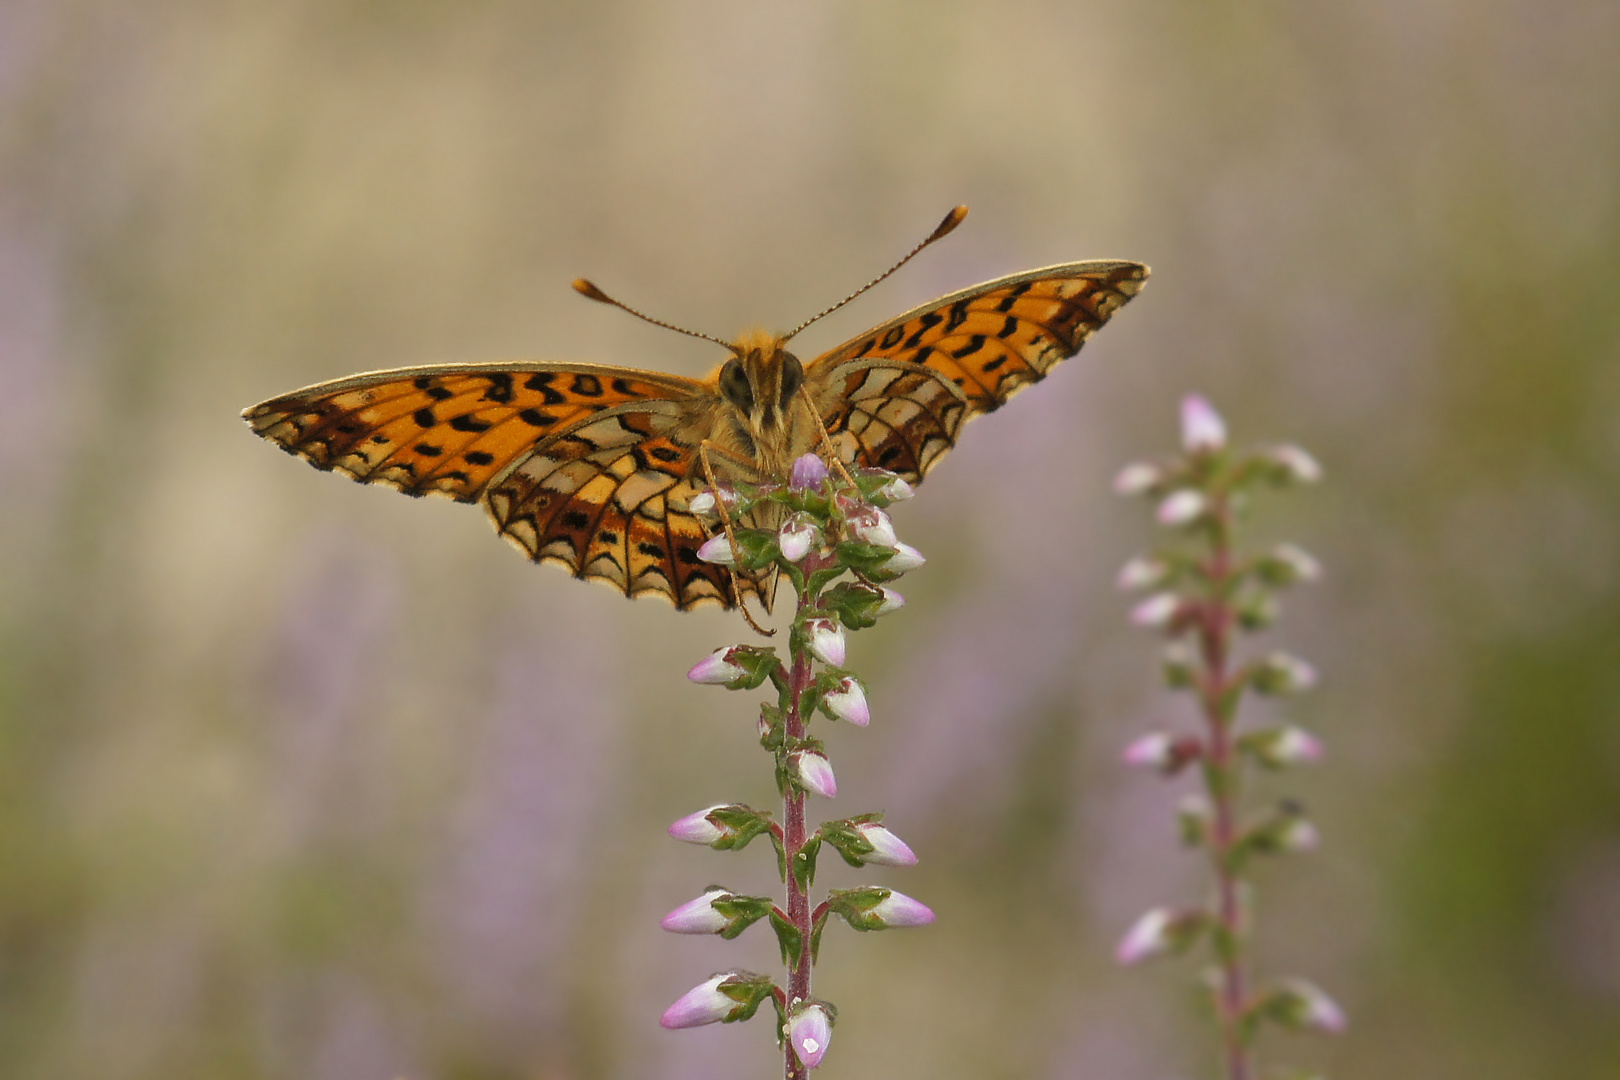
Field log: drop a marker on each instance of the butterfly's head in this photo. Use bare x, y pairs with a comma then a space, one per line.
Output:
761, 382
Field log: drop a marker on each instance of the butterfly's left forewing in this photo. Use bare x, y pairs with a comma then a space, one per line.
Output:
897, 396
584, 465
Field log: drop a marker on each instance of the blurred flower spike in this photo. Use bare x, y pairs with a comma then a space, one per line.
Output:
1204, 593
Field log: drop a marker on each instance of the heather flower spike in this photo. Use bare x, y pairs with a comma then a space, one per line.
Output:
1206, 594
834, 544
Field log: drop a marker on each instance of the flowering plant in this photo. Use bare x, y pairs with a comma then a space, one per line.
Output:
1202, 591
837, 548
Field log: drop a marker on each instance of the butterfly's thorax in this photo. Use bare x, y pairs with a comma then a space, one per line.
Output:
764, 419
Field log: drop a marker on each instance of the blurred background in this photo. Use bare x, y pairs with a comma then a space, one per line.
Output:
305, 779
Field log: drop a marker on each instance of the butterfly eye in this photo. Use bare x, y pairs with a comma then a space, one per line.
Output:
734, 386
792, 378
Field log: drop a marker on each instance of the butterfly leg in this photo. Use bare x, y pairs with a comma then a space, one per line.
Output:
704, 448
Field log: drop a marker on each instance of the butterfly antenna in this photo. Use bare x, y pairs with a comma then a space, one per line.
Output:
952, 220
585, 288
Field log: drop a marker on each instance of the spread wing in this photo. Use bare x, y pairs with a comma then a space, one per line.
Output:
583, 465
897, 396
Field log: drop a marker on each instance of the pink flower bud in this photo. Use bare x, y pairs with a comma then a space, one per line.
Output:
698, 916
892, 601
1152, 751
1281, 673
808, 471
815, 773
1301, 1004
1298, 834
717, 549
797, 536
809, 1030
1284, 746
1202, 429
703, 1004
1299, 564
1149, 936
716, 669
897, 910
826, 640
896, 490
847, 701
905, 558
1138, 478
873, 526
1181, 508
1142, 572
697, 828
1295, 464
887, 848
1157, 612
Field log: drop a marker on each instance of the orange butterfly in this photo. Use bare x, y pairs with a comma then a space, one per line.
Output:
593, 466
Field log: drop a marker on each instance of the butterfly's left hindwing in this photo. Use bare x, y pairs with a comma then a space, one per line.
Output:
607, 498
897, 396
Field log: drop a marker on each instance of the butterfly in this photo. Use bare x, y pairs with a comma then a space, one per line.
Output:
593, 467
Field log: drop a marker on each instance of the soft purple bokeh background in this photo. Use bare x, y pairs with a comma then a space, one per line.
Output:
304, 779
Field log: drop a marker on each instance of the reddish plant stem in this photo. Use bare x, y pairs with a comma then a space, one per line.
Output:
794, 835
1221, 774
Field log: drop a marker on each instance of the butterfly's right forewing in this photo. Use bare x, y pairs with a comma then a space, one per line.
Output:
960, 356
